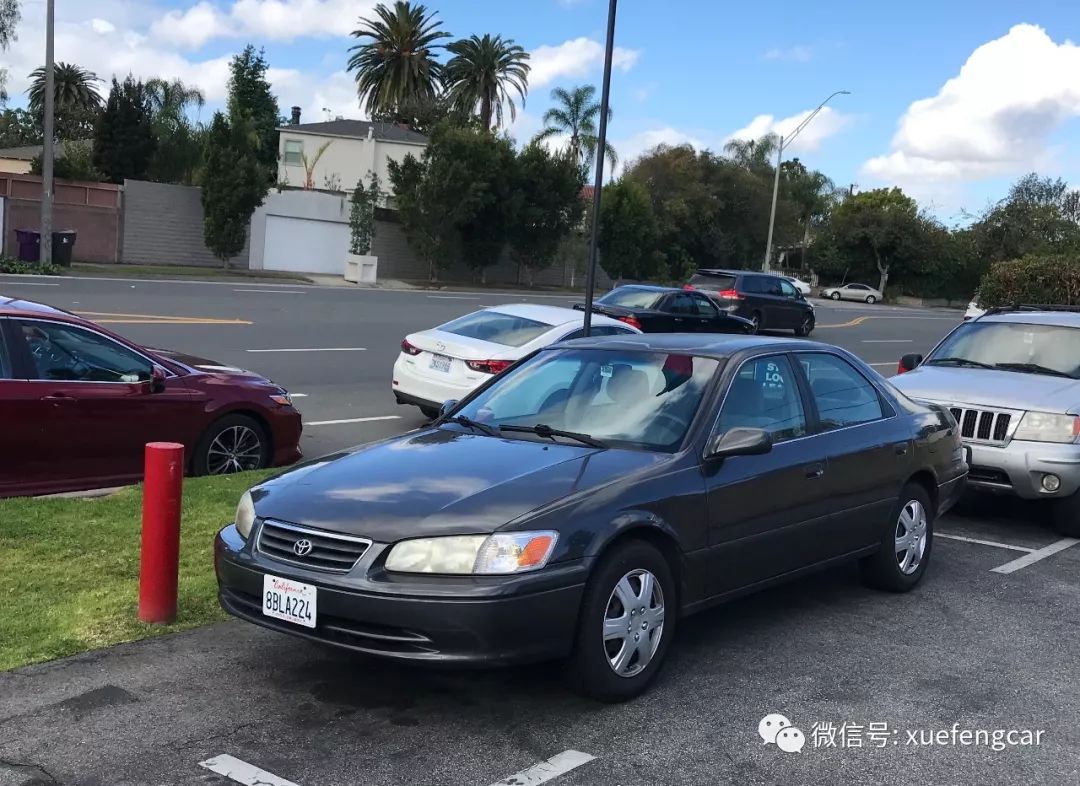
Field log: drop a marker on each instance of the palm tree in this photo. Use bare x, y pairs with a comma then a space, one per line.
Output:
755, 155
398, 64
480, 73
576, 116
75, 90
170, 101
179, 140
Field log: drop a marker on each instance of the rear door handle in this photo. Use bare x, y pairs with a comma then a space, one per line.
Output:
815, 471
58, 398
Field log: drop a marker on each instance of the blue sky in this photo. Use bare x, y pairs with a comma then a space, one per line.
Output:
950, 100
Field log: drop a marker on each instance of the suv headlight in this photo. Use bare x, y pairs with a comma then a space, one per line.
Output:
245, 515
481, 555
1047, 427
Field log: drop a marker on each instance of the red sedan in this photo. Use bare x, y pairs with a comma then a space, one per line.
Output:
78, 403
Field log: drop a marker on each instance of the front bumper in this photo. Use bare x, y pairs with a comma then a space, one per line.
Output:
286, 428
1019, 467
463, 621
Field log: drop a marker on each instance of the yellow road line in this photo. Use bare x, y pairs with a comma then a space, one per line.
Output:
110, 318
852, 323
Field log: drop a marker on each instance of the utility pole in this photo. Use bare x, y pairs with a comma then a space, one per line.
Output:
601, 149
47, 141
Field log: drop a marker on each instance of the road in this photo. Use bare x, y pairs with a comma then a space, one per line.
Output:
985, 643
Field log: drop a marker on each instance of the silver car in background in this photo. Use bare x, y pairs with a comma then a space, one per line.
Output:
1011, 379
862, 292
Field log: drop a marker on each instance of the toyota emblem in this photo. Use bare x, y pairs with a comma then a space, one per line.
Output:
302, 547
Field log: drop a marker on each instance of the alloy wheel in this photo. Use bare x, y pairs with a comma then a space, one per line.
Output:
911, 536
633, 623
835, 295
235, 449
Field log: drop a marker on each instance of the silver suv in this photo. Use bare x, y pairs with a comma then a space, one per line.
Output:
1011, 379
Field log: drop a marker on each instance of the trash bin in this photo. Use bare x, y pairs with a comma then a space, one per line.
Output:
29, 242
62, 244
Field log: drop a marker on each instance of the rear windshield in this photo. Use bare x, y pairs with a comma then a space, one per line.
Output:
712, 282
631, 297
496, 327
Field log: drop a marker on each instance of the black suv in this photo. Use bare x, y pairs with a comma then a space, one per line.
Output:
768, 300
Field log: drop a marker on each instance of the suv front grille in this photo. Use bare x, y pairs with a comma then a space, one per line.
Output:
318, 549
983, 425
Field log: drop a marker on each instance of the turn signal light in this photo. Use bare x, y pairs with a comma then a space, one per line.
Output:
489, 366
408, 348
631, 321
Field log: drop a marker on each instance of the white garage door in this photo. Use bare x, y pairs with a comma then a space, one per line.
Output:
303, 245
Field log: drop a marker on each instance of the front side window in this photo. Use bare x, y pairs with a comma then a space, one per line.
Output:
625, 398
294, 152
842, 395
704, 307
1053, 350
787, 290
683, 305
498, 328
765, 395
69, 353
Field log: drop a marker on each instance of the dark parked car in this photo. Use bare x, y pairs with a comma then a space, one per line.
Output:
770, 301
78, 403
654, 309
582, 502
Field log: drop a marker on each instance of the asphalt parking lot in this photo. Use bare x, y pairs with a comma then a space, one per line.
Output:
986, 643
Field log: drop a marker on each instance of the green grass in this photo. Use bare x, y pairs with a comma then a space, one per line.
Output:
69, 568
177, 271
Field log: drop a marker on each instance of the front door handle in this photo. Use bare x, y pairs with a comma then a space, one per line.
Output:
58, 398
815, 471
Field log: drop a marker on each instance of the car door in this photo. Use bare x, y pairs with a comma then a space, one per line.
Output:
868, 447
26, 465
101, 411
707, 317
765, 512
854, 292
791, 305
683, 313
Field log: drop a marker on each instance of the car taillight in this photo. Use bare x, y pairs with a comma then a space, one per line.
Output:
489, 366
631, 321
900, 369
730, 294
688, 287
408, 348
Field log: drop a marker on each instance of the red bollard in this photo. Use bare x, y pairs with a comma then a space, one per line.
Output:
164, 477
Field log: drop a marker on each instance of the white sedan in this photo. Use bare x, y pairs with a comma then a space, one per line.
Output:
449, 361
799, 284
863, 292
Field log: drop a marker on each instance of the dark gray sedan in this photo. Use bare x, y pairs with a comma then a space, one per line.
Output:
583, 501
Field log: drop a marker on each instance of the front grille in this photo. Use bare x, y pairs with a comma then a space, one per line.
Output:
982, 425
329, 551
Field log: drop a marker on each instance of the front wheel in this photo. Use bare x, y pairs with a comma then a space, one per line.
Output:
835, 295
235, 443
905, 549
871, 299
625, 625
806, 327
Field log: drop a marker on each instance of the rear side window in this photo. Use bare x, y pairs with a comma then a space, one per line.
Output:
631, 297
717, 283
704, 307
843, 396
496, 327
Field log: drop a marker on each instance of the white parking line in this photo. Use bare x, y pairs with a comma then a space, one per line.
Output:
299, 395
274, 291
984, 542
351, 420
888, 341
312, 349
890, 363
1035, 556
240, 771
547, 770
451, 297
31, 283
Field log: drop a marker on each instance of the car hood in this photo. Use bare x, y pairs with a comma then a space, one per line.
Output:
196, 363
437, 482
990, 388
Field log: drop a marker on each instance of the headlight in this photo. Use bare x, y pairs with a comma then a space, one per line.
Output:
282, 397
245, 515
1048, 427
498, 554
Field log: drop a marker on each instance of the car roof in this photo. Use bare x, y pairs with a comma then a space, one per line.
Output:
715, 271
647, 288
550, 315
16, 307
1060, 318
704, 345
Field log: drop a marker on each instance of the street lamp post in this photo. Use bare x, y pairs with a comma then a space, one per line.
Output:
785, 141
47, 146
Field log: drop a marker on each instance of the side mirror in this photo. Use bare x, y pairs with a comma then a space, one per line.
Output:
447, 406
908, 363
157, 380
740, 442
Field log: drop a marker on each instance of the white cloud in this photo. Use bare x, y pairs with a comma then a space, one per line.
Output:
192, 28
577, 57
995, 117
102, 27
828, 123
793, 54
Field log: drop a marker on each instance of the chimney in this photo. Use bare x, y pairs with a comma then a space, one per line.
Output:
295, 116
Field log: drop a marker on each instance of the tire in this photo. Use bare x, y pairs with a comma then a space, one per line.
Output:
429, 412
886, 570
835, 295
806, 328
756, 319
871, 299
212, 453
590, 669
1067, 516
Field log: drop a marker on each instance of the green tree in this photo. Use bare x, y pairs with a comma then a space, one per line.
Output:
10, 14
77, 102
1039, 216
883, 225
812, 194
397, 63
483, 72
234, 183
250, 99
17, 128
179, 140
576, 116
73, 161
124, 140
628, 232
362, 214
423, 115
489, 184
546, 206
754, 155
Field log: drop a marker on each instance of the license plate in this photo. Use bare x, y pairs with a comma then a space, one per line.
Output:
441, 363
289, 600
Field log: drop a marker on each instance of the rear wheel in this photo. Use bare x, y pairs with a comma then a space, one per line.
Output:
905, 549
871, 299
1067, 516
806, 327
625, 625
755, 322
235, 443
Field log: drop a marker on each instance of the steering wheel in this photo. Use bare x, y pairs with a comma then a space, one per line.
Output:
674, 423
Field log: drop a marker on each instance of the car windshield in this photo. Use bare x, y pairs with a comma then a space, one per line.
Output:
1012, 346
496, 327
621, 398
631, 297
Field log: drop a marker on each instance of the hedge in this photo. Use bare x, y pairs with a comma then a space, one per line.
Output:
1050, 279
35, 268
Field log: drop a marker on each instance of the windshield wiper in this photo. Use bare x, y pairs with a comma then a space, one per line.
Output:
470, 423
543, 430
1033, 368
957, 362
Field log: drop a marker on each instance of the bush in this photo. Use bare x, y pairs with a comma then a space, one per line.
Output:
33, 268
1042, 279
